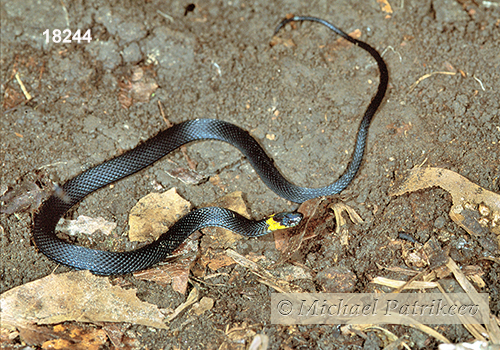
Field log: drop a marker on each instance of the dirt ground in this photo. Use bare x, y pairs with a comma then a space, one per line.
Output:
302, 98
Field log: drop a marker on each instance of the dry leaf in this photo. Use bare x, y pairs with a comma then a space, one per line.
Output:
216, 237
155, 213
75, 338
398, 284
191, 299
11, 98
267, 278
28, 196
187, 176
203, 305
474, 208
138, 88
75, 296
215, 259
288, 241
86, 225
175, 271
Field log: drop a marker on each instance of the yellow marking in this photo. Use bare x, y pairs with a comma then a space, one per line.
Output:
274, 225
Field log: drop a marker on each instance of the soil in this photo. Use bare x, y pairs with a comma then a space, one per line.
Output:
302, 98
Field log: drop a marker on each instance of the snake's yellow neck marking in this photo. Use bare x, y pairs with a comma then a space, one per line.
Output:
274, 225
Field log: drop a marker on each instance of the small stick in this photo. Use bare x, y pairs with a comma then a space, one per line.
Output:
423, 77
25, 92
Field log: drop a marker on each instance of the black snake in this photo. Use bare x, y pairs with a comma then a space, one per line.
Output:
112, 263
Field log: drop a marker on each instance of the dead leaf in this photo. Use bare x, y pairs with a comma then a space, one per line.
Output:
187, 176
11, 98
191, 299
267, 278
176, 270
137, 88
75, 296
216, 237
76, 338
474, 208
155, 213
288, 241
215, 259
116, 334
340, 228
203, 305
28, 196
85, 225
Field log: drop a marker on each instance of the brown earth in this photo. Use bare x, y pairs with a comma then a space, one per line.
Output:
301, 98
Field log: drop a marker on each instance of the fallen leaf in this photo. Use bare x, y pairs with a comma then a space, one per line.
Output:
76, 338
11, 98
267, 278
203, 306
28, 196
155, 213
191, 299
187, 176
74, 296
216, 237
137, 88
288, 241
474, 208
85, 225
215, 259
176, 270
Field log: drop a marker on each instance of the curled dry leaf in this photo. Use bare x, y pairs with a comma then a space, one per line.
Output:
75, 296
203, 305
155, 213
475, 209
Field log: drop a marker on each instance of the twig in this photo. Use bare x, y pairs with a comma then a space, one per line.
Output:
392, 49
423, 77
25, 92
170, 18
65, 13
169, 124
480, 82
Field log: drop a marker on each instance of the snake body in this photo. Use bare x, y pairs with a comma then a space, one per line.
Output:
112, 263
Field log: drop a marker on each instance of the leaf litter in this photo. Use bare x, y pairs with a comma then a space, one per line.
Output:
74, 296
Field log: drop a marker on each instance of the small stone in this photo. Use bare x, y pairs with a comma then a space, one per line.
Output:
484, 210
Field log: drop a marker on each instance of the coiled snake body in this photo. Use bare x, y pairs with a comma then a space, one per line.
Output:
112, 263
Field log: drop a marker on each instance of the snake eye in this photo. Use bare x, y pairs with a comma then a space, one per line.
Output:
288, 219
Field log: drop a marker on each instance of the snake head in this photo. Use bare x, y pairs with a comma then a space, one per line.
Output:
283, 220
